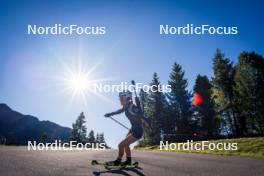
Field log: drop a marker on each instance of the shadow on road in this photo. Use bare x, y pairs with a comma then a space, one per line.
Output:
120, 172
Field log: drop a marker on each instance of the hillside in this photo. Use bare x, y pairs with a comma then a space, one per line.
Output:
19, 129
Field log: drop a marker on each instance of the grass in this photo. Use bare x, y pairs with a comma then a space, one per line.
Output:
246, 147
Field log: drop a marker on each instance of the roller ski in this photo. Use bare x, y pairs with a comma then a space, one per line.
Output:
115, 164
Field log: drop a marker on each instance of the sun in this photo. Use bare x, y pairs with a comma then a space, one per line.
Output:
78, 82
75, 81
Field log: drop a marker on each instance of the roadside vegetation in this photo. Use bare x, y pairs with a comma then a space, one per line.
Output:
247, 147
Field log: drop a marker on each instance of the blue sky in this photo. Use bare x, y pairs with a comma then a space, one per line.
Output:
131, 49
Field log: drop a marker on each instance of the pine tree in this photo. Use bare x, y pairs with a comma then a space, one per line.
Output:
101, 138
79, 130
205, 111
91, 137
179, 102
249, 92
75, 136
97, 138
143, 97
156, 104
223, 92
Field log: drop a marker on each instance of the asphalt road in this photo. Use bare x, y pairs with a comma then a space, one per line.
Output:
18, 161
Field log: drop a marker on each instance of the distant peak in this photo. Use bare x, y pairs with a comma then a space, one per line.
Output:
4, 106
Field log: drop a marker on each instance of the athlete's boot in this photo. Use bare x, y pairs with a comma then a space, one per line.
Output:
116, 162
127, 162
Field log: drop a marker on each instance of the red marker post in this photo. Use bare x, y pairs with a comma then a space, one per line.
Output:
197, 99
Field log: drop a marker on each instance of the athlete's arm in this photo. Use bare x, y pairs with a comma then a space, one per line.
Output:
119, 111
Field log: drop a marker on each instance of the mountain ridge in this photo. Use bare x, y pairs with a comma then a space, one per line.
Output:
18, 128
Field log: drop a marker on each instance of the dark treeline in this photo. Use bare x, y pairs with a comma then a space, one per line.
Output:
79, 132
232, 102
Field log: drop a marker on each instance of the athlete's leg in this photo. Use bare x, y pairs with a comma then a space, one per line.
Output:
120, 150
124, 146
128, 151
127, 148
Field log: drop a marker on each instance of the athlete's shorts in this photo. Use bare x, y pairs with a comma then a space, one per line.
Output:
136, 132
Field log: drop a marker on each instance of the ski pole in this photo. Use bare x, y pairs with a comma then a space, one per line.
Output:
119, 123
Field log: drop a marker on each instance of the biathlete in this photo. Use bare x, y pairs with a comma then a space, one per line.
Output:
136, 118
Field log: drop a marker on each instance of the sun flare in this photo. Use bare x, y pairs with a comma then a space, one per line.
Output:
78, 82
